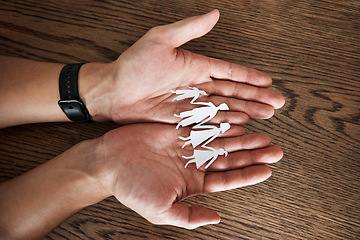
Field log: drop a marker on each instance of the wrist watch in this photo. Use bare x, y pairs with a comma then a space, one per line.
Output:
70, 101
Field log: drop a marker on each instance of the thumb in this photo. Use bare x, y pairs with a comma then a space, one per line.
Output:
192, 217
178, 33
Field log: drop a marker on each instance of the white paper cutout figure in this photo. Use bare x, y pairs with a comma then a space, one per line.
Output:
206, 133
200, 115
201, 156
193, 93
210, 132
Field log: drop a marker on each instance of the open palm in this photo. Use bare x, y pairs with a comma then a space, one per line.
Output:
147, 174
145, 74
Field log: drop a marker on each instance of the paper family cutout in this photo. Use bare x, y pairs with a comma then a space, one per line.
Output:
209, 133
194, 93
204, 134
202, 156
200, 115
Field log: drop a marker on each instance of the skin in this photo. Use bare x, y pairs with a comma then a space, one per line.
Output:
134, 88
139, 164
157, 196
145, 173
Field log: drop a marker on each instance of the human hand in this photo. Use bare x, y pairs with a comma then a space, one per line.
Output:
145, 170
136, 87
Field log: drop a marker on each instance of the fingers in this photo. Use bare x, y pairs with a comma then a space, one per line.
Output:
222, 181
245, 142
238, 156
234, 118
238, 109
234, 131
241, 159
224, 70
189, 217
244, 92
178, 33
253, 109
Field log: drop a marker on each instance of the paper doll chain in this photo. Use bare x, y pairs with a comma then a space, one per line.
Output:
208, 133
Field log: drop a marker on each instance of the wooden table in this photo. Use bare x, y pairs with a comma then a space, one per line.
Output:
311, 50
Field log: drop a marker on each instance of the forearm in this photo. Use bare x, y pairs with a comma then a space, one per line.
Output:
29, 91
33, 204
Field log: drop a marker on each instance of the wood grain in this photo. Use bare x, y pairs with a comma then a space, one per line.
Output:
310, 49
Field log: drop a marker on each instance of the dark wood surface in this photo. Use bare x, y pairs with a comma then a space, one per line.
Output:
311, 50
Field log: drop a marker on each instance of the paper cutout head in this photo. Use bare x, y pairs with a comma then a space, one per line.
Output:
223, 106
222, 152
224, 127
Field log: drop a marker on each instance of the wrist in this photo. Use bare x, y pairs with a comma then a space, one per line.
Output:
96, 90
74, 177
91, 163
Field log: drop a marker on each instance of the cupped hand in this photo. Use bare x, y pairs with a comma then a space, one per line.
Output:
146, 170
138, 84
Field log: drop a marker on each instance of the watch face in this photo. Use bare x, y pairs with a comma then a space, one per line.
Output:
75, 110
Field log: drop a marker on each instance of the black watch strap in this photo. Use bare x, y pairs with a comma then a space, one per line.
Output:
70, 101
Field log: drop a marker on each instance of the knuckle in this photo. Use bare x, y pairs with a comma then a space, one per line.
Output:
155, 34
230, 71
